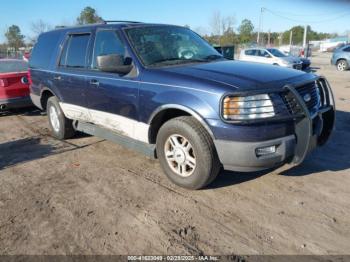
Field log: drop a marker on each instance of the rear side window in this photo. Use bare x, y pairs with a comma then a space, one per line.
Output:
250, 52
74, 51
44, 49
347, 49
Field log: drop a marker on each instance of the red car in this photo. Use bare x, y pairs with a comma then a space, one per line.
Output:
14, 84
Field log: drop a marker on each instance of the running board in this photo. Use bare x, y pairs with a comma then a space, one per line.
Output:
94, 130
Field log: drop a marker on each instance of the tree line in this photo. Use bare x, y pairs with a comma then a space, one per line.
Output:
223, 31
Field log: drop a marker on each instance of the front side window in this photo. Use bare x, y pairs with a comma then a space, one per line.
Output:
107, 43
75, 50
263, 53
169, 45
347, 49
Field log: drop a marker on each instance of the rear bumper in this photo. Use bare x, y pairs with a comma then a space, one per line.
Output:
13, 103
36, 100
310, 132
333, 61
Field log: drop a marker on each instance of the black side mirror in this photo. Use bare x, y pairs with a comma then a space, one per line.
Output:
114, 64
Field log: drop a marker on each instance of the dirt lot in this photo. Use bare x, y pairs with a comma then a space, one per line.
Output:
90, 196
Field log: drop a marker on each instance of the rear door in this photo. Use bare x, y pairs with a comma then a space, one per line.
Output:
249, 55
71, 75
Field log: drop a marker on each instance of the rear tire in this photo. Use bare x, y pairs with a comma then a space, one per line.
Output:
187, 153
342, 65
61, 127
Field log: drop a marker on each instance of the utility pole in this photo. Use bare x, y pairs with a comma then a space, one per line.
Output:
305, 34
260, 24
304, 41
291, 38
269, 38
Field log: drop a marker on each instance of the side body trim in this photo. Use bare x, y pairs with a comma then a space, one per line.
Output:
119, 124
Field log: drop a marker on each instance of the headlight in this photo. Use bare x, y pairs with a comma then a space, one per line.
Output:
286, 62
247, 107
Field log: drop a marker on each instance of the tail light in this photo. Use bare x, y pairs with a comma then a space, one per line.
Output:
30, 78
3, 82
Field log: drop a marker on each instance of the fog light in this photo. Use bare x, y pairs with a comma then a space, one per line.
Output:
263, 151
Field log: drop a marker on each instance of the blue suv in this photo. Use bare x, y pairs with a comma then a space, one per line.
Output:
341, 58
163, 90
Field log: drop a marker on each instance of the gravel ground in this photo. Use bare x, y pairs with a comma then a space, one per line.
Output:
90, 196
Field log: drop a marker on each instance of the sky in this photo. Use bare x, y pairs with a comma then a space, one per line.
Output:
322, 15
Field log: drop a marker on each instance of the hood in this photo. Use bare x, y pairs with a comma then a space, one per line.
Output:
240, 74
292, 59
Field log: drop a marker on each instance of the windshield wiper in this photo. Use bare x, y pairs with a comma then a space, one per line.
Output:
179, 60
213, 57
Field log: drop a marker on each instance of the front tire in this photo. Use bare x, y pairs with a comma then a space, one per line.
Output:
342, 65
187, 153
61, 127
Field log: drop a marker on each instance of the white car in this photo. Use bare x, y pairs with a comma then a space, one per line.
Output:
271, 56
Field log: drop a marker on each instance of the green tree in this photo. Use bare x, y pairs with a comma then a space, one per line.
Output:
14, 37
88, 16
245, 31
298, 35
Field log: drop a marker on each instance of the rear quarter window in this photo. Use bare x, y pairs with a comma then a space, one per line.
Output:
44, 49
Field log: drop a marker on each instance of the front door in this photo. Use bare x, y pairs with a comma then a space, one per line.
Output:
112, 98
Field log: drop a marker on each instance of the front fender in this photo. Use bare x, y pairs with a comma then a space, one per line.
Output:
201, 106
191, 112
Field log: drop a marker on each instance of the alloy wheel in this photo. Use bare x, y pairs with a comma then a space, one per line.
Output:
180, 155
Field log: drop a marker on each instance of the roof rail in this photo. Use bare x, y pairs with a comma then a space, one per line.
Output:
120, 21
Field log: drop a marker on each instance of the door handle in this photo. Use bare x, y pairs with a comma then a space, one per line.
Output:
58, 78
94, 82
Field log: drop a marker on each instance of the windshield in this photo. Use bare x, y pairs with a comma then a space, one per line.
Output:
9, 66
276, 52
168, 45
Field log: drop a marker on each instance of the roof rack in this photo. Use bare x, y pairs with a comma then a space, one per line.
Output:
120, 21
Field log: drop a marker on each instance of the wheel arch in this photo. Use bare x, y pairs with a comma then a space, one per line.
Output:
166, 112
341, 59
46, 93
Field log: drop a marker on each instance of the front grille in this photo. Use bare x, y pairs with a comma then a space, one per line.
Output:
308, 93
310, 90
297, 66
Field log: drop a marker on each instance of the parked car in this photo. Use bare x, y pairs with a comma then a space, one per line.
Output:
305, 62
341, 58
164, 91
271, 56
14, 85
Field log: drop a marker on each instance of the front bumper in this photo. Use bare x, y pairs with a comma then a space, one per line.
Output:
310, 131
241, 156
13, 103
